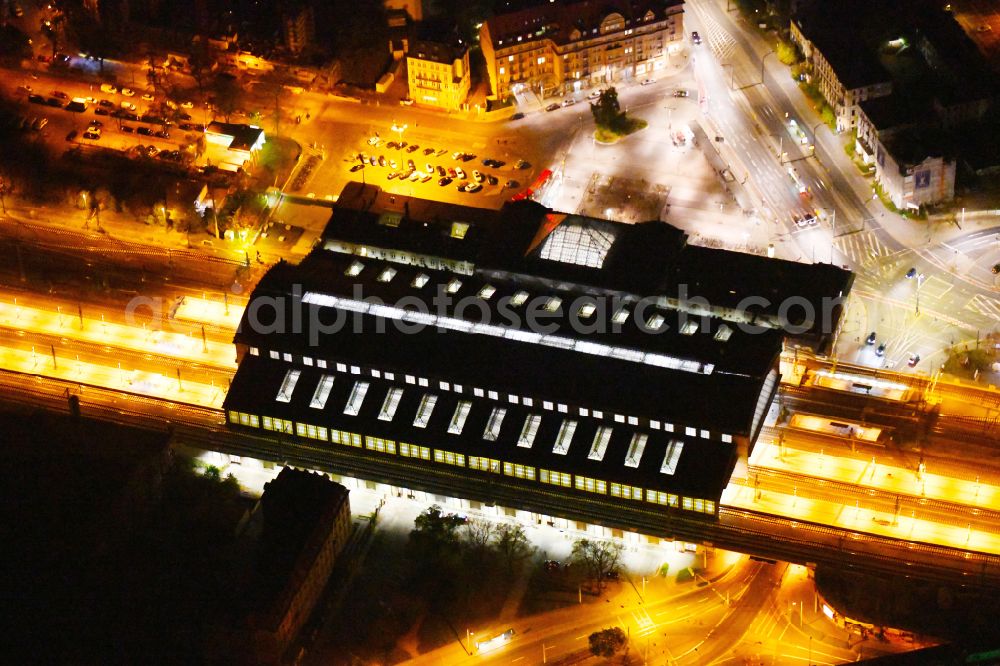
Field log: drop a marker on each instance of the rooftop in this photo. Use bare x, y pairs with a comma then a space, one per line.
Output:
913, 145
244, 137
567, 20
293, 507
554, 342
851, 51
527, 241
486, 423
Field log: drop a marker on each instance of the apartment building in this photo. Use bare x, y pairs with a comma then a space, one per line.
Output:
845, 72
565, 46
438, 74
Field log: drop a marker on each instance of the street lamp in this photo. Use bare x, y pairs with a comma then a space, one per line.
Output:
399, 129
762, 66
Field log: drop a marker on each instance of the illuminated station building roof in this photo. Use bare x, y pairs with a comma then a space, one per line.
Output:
612, 389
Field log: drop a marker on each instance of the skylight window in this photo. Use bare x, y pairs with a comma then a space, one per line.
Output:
723, 333
322, 392
600, 443
519, 298
553, 304
487, 291
454, 286
355, 268
635, 449
420, 280
655, 322
575, 243
690, 327
565, 437
387, 274
493, 425
357, 397
587, 309
390, 404
287, 386
621, 316
424, 411
672, 456
459, 229
529, 431
458, 418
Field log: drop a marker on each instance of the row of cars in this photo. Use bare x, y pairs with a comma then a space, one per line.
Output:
446, 175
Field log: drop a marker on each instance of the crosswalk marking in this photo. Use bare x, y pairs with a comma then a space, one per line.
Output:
985, 305
720, 41
861, 248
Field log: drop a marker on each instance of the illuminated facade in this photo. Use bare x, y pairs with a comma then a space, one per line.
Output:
440, 366
438, 74
567, 46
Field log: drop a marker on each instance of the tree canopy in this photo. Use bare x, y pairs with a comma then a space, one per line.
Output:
598, 558
607, 642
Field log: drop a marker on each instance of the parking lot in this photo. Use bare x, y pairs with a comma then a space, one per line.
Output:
434, 166
120, 119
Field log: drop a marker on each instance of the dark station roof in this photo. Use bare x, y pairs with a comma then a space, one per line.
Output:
699, 467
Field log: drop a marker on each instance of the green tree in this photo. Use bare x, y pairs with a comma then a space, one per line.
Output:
606, 110
607, 642
598, 558
513, 545
786, 52
227, 95
435, 532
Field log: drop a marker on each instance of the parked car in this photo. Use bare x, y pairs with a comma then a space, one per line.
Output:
517, 116
147, 97
522, 164
444, 180
477, 176
406, 102
127, 129
413, 148
108, 88
425, 178
357, 167
695, 37
512, 184
569, 101
681, 93
107, 104
460, 172
93, 136
128, 92
491, 179
871, 339
914, 359
145, 131
187, 105
996, 269
452, 173
473, 187
646, 82
59, 95
912, 273
163, 134
129, 106
552, 107
441, 172
381, 160
36, 99
880, 350
71, 135
101, 112
428, 151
